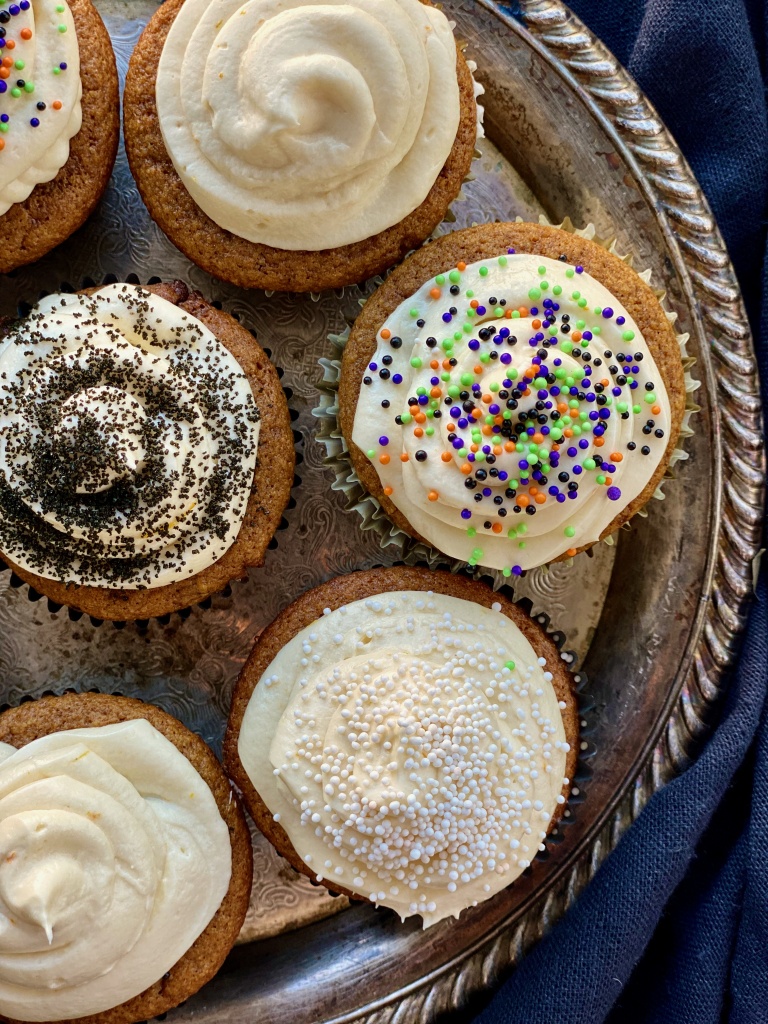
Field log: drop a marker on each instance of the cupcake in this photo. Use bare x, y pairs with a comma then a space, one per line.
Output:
146, 453
126, 861
59, 123
299, 147
405, 737
511, 394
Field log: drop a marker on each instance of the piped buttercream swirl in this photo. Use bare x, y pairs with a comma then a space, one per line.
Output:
115, 858
412, 747
308, 125
40, 116
511, 410
128, 441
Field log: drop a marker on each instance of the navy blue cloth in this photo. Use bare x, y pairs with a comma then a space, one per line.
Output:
674, 927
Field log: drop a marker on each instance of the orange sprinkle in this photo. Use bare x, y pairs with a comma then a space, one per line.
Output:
497, 449
446, 364
507, 314
56, 104
461, 266
474, 303
446, 456
4, 72
533, 489
477, 369
466, 468
7, 62
487, 431
404, 457
387, 490
420, 417
562, 407
522, 311
571, 552
523, 500
487, 399
496, 527
576, 336
655, 409
434, 364
598, 442
531, 372
451, 426
540, 498
386, 333
26, 33
526, 392
384, 459
538, 438
509, 447
418, 432
605, 382
617, 457
10, 44
433, 495
574, 414
2, 145
536, 324
474, 447
435, 293
568, 432
476, 414
413, 409
435, 392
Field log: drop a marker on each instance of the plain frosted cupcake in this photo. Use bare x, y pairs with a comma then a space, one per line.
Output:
59, 123
146, 453
511, 394
126, 861
406, 737
298, 148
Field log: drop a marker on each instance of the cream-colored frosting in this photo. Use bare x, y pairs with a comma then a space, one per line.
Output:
412, 747
34, 153
128, 441
115, 859
308, 125
425, 462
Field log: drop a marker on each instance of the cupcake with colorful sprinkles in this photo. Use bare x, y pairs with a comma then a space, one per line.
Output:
146, 453
405, 737
512, 394
59, 123
299, 146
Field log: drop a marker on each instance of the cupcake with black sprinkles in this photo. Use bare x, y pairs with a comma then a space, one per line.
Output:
146, 454
512, 394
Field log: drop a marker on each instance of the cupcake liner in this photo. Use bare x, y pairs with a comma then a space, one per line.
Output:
372, 515
23, 309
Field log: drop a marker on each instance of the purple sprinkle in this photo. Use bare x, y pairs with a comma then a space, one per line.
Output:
447, 318
587, 335
480, 311
3, 86
590, 396
573, 494
373, 366
583, 443
561, 497
423, 400
572, 453
14, 9
593, 415
474, 344
506, 382
458, 443
613, 493
466, 514
2, 44
504, 332
554, 391
397, 378
599, 430
494, 409
579, 270
34, 121
573, 391
455, 411
516, 570
604, 414
63, 65
463, 423
487, 449
555, 306
553, 490
471, 457
545, 430
383, 441
487, 492
434, 380
607, 312
542, 394
503, 475
587, 371
534, 310
523, 464
616, 391
505, 358
511, 253
633, 384
620, 321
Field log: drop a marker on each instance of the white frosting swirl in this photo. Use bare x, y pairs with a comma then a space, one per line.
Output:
128, 441
41, 50
308, 124
412, 747
522, 435
115, 859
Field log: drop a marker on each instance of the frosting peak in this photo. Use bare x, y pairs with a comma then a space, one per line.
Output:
315, 123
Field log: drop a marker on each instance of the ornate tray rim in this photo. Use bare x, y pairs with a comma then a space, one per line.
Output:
702, 261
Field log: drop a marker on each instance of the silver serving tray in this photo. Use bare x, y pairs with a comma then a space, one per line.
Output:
655, 619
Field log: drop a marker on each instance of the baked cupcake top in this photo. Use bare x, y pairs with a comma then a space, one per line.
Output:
128, 441
115, 859
308, 125
512, 408
40, 91
411, 746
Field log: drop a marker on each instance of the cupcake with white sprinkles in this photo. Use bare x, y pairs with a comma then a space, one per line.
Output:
406, 737
512, 394
131, 430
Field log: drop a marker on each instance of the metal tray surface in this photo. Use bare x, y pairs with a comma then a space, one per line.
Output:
654, 620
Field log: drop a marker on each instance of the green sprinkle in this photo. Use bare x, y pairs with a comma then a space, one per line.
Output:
569, 273
521, 544
495, 386
466, 378
498, 311
416, 362
485, 357
454, 277
445, 376
477, 552
513, 374
570, 531
454, 391
597, 310
471, 531
429, 430
462, 453
557, 290
515, 314
440, 279
19, 65
483, 271
502, 261
566, 346
29, 87
406, 417
589, 463
622, 406
62, 28
581, 324
575, 295
457, 335
597, 329
447, 344
510, 664
3, 127
650, 398
470, 293
413, 313
489, 419
628, 335
57, 71
534, 293
582, 303
15, 92
600, 479
544, 285
371, 453
479, 456
637, 409
540, 382
506, 572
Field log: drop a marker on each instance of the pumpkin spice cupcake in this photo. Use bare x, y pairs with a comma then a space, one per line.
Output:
127, 861
407, 737
59, 123
300, 148
146, 453
512, 394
